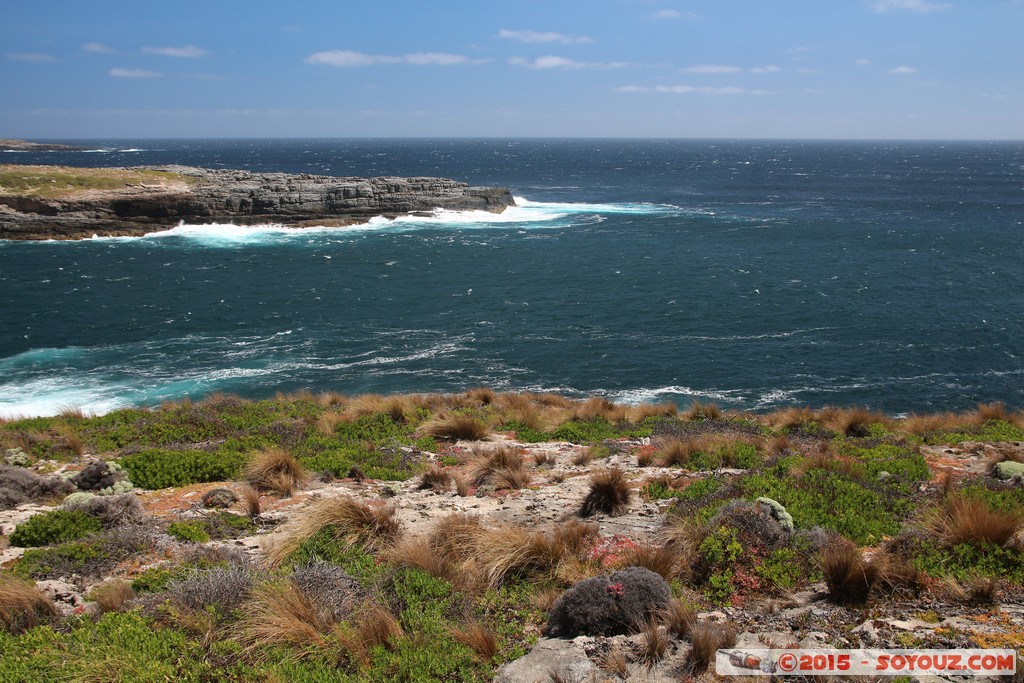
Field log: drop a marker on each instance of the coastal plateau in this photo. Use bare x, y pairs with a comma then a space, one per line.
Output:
55, 202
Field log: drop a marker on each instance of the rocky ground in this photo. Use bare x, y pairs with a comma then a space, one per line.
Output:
802, 618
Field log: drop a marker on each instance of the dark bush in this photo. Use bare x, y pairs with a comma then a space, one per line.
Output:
756, 526
223, 588
329, 589
18, 485
157, 469
95, 477
609, 605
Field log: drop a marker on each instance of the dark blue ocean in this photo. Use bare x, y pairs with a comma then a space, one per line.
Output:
755, 274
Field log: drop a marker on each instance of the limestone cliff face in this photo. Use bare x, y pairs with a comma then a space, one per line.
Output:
238, 197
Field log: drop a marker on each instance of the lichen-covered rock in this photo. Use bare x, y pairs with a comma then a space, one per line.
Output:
17, 458
777, 511
219, 498
1009, 469
609, 605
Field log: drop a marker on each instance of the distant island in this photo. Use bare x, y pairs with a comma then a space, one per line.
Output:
57, 202
9, 145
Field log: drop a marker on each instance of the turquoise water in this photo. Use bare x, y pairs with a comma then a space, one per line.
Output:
754, 274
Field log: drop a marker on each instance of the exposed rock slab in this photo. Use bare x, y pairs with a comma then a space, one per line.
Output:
207, 196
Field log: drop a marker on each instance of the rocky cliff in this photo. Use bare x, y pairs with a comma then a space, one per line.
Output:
195, 195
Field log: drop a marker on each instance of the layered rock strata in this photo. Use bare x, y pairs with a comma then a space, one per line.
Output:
241, 197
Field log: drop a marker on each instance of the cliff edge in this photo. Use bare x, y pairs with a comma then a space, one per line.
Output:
54, 202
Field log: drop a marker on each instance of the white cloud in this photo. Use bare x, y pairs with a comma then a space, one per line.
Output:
35, 57
728, 69
863, 62
666, 14
97, 48
903, 70
543, 37
553, 62
808, 71
438, 58
921, 6
134, 73
712, 69
349, 58
186, 51
692, 90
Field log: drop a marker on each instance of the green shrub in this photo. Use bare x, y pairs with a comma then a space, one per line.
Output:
863, 512
57, 526
152, 580
193, 531
61, 560
903, 461
157, 469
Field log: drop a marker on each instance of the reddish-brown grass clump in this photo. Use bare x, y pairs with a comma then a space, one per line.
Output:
609, 494
275, 470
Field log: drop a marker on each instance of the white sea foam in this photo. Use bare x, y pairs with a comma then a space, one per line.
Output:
526, 214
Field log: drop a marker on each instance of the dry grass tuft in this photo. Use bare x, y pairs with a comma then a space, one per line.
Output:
988, 411
677, 452
680, 618
112, 596
453, 537
275, 470
790, 418
485, 396
699, 410
502, 468
848, 576
462, 487
778, 445
854, 422
609, 494
251, 502
596, 407
614, 661
960, 519
645, 410
923, 425
418, 553
377, 627
436, 478
458, 426
352, 521
707, 638
506, 550
645, 457
282, 614
478, 637
328, 422
667, 560
544, 458
583, 457
653, 644
72, 441
22, 606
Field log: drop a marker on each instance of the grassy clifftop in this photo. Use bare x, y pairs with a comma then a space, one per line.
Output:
49, 182
322, 537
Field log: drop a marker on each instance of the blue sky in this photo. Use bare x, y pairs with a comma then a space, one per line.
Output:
939, 69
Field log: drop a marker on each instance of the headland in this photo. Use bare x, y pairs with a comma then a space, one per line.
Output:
58, 202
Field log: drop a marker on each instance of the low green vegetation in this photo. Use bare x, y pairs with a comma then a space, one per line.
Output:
55, 181
346, 595
54, 527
